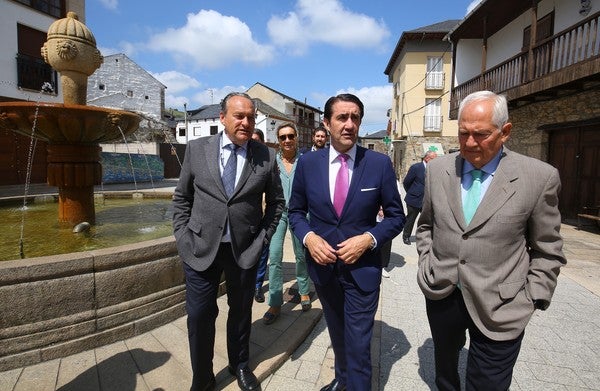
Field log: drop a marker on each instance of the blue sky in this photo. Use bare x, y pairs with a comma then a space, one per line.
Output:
307, 49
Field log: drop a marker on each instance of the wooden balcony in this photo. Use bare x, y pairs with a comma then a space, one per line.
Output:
564, 63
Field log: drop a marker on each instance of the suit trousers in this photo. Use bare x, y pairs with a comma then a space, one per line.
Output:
350, 315
261, 272
411, 217
202, 310
489, 363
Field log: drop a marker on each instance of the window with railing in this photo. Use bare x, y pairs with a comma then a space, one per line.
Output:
432, 120
434, 79
54, 8
33, 73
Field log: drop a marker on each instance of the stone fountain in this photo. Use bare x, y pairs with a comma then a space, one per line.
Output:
72, 130
54, 306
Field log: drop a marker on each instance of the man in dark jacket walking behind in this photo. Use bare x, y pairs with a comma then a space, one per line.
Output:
414, 184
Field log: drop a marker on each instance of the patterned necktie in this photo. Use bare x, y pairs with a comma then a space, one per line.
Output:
473, 196
341, 185
228, 177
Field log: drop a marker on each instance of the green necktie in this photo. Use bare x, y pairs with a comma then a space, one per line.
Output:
473, 196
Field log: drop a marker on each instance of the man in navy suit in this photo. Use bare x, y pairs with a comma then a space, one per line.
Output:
414, 184
343, 241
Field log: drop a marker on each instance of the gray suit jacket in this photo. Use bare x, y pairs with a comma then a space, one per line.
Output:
511, 252
201, 207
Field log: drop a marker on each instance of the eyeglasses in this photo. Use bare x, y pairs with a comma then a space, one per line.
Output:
288, 136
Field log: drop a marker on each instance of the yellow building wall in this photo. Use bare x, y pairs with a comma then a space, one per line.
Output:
410, 96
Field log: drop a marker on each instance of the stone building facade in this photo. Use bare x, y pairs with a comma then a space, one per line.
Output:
120, 83
528, 138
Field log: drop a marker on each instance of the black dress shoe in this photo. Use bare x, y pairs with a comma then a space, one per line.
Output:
259, 296
334, 386
406, 241
245, 379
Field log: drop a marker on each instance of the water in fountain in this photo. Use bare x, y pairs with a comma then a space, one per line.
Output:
129, 155
118, 221
46, 87
173, 149
146, 160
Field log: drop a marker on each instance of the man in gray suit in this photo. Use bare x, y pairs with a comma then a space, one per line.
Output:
220, 226
489, 246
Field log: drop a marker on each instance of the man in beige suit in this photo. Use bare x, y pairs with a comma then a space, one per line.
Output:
489, 247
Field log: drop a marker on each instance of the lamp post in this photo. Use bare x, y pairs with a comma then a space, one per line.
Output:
185, 121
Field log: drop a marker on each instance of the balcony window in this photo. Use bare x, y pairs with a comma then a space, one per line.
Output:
32, 71
432, 120
435, 73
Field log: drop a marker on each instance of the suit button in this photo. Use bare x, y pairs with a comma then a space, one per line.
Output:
462, 261
465, 237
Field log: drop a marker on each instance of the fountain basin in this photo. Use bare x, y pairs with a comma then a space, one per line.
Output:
58, 123
58, 305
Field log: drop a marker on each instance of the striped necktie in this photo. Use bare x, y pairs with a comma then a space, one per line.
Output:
229, 170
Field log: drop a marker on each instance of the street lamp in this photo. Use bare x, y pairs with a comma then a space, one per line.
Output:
185, 120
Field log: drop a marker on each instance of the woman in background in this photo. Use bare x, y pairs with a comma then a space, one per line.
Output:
287, 158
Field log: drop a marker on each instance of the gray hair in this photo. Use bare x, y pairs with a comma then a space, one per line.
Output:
500, 110
428, 154
231, 95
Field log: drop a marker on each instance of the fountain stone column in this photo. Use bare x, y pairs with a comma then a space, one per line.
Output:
73, 168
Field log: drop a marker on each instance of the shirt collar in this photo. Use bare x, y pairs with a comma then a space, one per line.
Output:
489, 168
333, 154
225, 141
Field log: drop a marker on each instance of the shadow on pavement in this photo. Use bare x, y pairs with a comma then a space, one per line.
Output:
118, 372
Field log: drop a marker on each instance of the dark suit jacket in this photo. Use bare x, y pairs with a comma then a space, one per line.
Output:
414, 184
201, 207
373, 185
510, 253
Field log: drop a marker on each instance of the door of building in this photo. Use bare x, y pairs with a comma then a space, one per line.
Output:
14, 157
575, 152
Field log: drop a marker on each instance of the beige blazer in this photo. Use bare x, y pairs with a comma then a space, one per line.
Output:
511, 252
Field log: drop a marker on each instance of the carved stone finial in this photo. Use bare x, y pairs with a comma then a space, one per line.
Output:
71, 50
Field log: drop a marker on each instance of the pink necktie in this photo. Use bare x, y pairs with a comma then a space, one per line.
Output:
341, 185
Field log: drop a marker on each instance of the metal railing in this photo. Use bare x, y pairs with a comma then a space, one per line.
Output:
434, 81
33, 72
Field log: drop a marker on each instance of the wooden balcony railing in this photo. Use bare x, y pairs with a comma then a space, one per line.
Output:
572, 46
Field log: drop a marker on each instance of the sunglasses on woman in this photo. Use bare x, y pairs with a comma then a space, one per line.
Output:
288, 136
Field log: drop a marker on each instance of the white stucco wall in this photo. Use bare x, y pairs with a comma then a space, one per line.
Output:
202, 128
508, 41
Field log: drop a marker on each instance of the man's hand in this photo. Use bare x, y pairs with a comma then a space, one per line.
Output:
351, 249
319, 249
